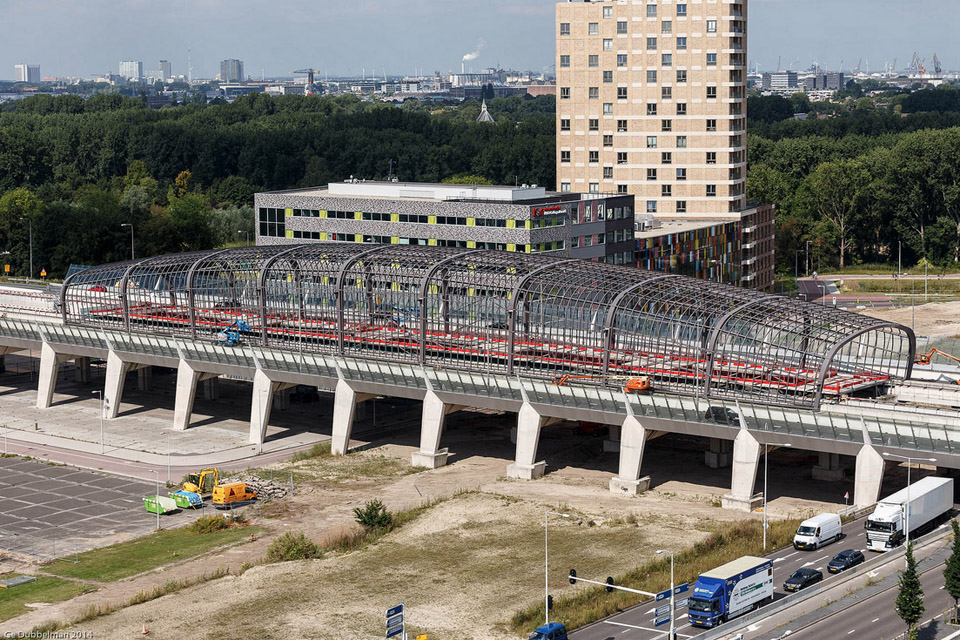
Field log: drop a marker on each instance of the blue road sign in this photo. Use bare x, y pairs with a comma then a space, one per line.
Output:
681, 604
659, 621
394, 611
395, 620
663, 595
395, 631
662, 611
681, 588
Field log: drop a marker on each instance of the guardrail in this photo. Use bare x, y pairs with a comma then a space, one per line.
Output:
738, 624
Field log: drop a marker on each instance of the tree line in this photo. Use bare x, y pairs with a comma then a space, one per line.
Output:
185, 176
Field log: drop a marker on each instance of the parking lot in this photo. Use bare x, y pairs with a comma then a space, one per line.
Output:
51, 511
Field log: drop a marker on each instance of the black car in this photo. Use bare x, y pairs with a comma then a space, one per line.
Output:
721, 415
844, 560
801, 579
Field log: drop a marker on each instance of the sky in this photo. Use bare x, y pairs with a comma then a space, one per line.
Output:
85, 37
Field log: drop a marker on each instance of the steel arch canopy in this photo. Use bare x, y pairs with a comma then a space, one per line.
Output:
528, 315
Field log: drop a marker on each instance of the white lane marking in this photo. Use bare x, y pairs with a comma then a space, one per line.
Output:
633, 626
788, 555
874, 620
753, 627
862, 533
819, 568
813, 562
651, 611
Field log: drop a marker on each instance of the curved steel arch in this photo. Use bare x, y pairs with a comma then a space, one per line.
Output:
715, 336
349, 262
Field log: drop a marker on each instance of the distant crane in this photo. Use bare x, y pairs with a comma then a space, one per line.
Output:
310, 74
856, 69
937, 68
918, 64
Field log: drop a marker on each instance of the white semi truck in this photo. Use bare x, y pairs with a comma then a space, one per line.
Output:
930, 501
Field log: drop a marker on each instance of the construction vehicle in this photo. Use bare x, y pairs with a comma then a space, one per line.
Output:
232, 495
639, 384
927, 358
231, 336
203, 482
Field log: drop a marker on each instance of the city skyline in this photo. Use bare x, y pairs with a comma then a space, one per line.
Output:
499, 32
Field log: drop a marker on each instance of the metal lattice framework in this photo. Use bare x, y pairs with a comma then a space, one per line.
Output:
527, 315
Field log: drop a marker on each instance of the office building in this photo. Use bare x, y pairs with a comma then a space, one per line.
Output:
165, 70
131, 70
231, 71
781, 81
824, 82
26, 73
524, 219
652, 102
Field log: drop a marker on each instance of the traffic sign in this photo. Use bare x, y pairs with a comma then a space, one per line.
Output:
395, 620
663, 595
6, 268
394, 611
395, 631
43, 273
661, 611
681, 588
661, 621
681, 604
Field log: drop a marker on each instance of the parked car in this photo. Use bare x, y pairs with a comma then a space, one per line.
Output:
844, 560
722, 415
801, 579
550, 631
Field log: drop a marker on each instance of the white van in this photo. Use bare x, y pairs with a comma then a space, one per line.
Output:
818, 531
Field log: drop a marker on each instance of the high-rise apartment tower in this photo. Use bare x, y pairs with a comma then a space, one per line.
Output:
651, 101
231, 70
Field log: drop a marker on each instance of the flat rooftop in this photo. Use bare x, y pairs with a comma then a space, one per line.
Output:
680, 226
423, 191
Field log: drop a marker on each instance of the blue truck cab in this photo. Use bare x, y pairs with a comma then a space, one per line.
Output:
730, 590
550, 631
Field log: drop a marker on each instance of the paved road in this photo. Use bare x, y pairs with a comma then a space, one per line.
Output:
637, 623
875, 618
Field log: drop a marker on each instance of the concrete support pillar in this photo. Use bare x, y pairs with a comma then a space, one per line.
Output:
633, 439
719, 454
49, 366
187, 380
145, 378
828, 467
82, 371
434, 417
612, 443
264, 391
746, 460
869, 477
211, 389
283, 398
529, 423
345, 401
117, 371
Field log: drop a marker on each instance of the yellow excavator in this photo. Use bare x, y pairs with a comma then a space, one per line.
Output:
203, 482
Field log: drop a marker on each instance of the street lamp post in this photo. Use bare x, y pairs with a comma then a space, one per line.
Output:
766, 454
546, 565
909, 460
99, 393
157, 496
673, 629
30, 225
808, 258
246, 235
132, 254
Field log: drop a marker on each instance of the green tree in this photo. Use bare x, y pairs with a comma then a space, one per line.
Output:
373, 515
951, 572
909, 603
191, 217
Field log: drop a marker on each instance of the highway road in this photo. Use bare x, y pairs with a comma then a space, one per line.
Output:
636, 623
875, 618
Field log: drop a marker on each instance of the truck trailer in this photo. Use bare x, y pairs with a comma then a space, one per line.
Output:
731, 590
930, 501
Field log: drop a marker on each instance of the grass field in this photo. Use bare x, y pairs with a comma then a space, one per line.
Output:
14, 601
136, 556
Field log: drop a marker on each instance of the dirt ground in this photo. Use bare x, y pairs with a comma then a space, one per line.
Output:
935, 319
463, 567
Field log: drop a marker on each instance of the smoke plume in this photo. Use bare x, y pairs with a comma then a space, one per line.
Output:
473, 55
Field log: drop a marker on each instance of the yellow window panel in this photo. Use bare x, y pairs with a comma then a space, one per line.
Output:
471, 222
434, 289
512, 247
289, 233
359, 283
358, 215
511, 223
288, 212
394, 240
394, 217
323, 213
528, 248
432, 219
432, 241
471, 244
526, 224
323, 236
358, 237
395, 286
470, 292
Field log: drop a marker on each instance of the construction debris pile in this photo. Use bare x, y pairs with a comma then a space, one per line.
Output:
265, 488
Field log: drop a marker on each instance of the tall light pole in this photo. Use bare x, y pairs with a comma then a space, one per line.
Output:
907, 510
673, 629
546, 565
808, 258
766, 454
157, 496
132, 253
30, 224
98, 392
247, 235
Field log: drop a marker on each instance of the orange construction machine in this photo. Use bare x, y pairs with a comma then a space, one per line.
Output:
632, 385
